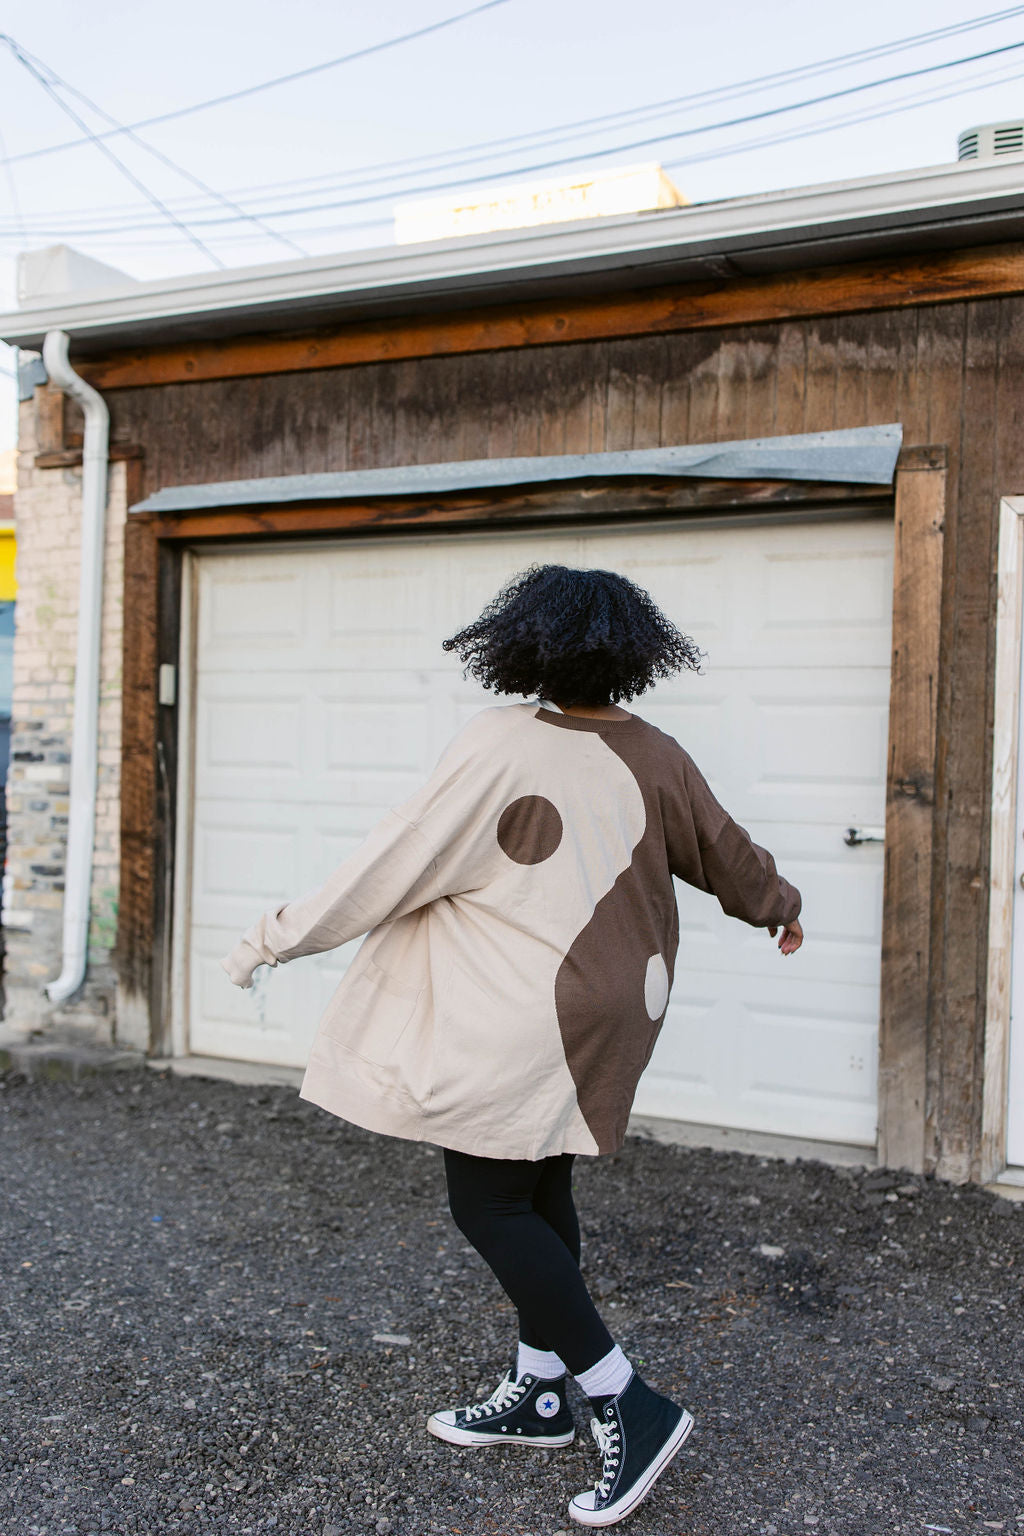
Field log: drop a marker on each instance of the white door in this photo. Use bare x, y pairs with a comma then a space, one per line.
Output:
323, 697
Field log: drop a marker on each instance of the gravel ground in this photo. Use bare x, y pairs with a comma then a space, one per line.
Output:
224, 1311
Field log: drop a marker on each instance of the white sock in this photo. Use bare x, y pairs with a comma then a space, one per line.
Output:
542, 1363
608, 1377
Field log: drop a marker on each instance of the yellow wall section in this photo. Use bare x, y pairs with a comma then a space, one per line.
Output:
8, 553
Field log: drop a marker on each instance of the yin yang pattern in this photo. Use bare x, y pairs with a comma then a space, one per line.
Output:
612, 987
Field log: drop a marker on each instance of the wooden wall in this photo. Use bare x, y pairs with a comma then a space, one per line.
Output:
953, 374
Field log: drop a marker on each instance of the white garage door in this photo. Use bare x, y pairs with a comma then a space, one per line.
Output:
323, 697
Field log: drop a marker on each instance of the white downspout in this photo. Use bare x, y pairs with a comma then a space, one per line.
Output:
85, 732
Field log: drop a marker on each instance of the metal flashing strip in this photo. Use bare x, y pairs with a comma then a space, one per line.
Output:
852, 456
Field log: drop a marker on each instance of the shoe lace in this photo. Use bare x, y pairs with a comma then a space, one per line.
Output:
505, 1395
609, 1443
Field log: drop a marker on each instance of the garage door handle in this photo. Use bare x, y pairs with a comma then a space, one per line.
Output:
857, 835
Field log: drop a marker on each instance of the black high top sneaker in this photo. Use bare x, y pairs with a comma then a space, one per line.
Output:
638, 1432
525, 1412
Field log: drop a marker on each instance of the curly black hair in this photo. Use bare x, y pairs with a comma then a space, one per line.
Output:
575, 636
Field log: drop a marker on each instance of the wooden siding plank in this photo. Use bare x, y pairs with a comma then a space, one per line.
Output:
575, 403
733, 386
501, 431
820, 391
853, 337
893, 283
910, 800
881, 371
680, 352
912, 409
790, 379
649, 358
705, 391
620, 400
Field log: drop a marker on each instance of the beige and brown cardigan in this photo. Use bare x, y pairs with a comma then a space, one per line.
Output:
521, 934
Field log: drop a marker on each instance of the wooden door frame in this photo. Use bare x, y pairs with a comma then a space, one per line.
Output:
151, 831
1003, 834
911, 919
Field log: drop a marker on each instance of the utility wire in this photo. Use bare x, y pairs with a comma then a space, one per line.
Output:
653, 110
658, 139
598, 154
849, 119
266, 85
373, 172
106, 150
15, 201
892, 109
157, 154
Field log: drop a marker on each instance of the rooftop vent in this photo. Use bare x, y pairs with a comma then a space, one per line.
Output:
991, 139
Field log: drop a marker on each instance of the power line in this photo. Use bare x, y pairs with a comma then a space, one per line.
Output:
848, 120
901, 105
266, 85
740, 121
555, 135
15, 201
157, 154
106, 149
653, 110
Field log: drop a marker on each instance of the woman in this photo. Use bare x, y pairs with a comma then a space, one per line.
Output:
521, 934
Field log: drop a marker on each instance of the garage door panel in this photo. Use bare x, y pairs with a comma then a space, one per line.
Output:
383, 736
323, 698
806, 1051
241, 867
740, 600
244, 608
253, 1025
246, 861
815, 596
792, 748
800, 1066
240, 734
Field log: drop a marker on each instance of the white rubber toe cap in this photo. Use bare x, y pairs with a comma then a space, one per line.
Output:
584, 1501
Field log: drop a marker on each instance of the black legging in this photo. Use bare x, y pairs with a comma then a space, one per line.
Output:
520, 1217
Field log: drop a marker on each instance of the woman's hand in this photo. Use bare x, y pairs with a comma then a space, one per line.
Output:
792, 937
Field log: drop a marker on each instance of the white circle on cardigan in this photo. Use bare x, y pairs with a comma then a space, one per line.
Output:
656, 987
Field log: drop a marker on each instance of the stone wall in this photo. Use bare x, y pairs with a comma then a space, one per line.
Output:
47, 510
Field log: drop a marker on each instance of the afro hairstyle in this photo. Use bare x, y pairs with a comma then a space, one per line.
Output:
574, 636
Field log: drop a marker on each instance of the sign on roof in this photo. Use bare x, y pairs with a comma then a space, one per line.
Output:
627, 189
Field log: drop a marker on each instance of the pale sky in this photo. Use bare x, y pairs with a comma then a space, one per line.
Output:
519, 68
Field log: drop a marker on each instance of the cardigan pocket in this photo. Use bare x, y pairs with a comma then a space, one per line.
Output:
373, 1012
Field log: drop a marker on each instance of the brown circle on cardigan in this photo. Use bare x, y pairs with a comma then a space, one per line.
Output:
529, 829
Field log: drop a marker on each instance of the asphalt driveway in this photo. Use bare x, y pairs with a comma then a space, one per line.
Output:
223, 1311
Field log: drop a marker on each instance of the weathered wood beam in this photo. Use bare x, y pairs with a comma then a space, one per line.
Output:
910, 807
135, 921
894, 283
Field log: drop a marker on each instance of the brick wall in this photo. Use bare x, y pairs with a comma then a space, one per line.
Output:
47, 513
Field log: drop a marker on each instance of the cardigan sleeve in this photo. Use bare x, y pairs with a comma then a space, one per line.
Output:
711, 851
431, 846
